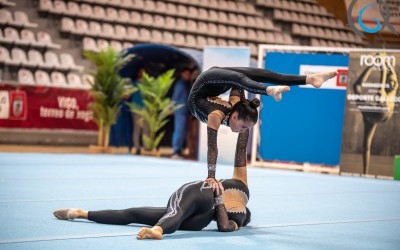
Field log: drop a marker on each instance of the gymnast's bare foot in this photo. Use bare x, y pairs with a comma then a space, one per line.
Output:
70, 214
150, 233
276, 91
318, 79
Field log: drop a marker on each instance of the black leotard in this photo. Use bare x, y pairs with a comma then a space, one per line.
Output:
191, 207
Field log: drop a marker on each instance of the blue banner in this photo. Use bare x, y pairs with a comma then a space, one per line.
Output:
306, 126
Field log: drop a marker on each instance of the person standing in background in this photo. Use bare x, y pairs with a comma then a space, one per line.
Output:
180, 95
138, 127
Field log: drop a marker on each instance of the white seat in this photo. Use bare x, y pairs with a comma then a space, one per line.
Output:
170, 23
201, 41
45, 5
67, 61
4, 55
144, 35
156, 36
124, 16
73, 8
94, 28
45, 38
203, 13
159, 21
213, 15
18, 57
35, 58
120, 31
25, 77
181, 24
211, 41
87, 81
192, 26
161, 7
27, 37
222, 30
232, 31
51, 60
221, 42
232, 43
171, 9
126, 3
11, 35
81, 27
136, 17
5, 16
242, 34
42, 78
89, 44
132, 34
147, 19
149, 5
107, 30
20, 18
102, 44
58, 79
74, 81
67, 25
59, 7
114, 2
86, 10
168, 37
111, 14
179, 39
190, 41
116, 45
127, 45
99, 12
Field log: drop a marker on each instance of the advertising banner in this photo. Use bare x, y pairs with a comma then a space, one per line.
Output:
306, 126
45, 108
371, 134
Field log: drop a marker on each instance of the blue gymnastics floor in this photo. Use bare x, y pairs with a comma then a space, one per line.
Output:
290, 210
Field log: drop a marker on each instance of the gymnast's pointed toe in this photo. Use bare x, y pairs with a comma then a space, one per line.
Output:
63, 214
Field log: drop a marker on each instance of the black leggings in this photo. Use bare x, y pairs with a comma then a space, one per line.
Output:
216, 81
189, 208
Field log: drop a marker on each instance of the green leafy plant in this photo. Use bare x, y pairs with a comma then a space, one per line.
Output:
108, 89
157, 107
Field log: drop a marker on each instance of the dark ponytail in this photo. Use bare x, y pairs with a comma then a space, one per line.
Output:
247, 110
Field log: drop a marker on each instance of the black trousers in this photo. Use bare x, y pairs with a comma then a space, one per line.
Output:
189, 208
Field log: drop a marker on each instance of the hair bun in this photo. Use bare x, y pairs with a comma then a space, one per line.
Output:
255, 103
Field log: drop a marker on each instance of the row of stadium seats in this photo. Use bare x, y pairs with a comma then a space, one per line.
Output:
35, 59
54, 79
18, 19
145, 17
317, 32
27, 38
296, 6
131, 33
157, 6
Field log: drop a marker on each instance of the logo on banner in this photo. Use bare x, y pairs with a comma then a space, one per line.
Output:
377, 61
4, 104
384, 11
18, 108
342, 77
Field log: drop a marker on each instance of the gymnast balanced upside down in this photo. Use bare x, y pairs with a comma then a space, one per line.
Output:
238, 113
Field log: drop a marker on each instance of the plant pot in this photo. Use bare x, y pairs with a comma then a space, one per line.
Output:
95, 149
154, 152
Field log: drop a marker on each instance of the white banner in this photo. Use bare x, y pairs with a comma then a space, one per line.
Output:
223, 57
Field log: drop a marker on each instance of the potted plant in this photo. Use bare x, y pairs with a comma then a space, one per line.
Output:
156, 109
107, 92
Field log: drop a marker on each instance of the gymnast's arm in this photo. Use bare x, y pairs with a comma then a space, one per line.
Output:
213, 123
240, 169
223, 222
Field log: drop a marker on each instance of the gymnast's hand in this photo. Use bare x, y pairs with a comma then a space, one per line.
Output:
213, 183
220, 190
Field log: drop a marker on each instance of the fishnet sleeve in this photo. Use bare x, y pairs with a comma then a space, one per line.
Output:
223, 222
213, 123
